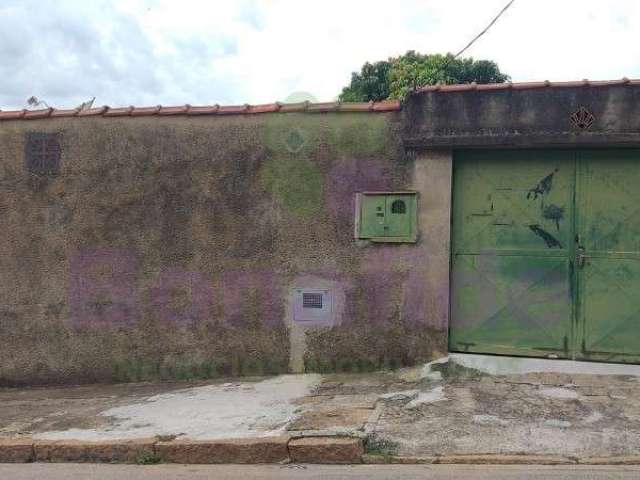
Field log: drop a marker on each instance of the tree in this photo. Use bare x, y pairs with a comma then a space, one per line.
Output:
397, 76
372, 83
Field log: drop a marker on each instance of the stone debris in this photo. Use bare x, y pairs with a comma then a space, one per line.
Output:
489, 420
400, 396
557, 423
432, 396
593, 418
559, 393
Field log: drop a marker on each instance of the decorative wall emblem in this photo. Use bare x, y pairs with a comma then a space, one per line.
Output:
295, 140
582, 118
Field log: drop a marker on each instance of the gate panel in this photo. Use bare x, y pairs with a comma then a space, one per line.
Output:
608, 227
512, 246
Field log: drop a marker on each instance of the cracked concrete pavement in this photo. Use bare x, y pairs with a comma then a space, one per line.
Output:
442, 409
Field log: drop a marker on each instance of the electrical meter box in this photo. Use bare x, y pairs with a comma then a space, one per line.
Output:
387, 216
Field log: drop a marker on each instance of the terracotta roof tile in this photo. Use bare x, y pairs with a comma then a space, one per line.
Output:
232, 109
464, 87
180, 110
72, 112
105, 111
12, 114
118, 112
533, 85
356, 107
323, 107
294, 107
34, 114
386, 106
204, 110
266, 108
92, 112
145, 111
383, 106
493, 86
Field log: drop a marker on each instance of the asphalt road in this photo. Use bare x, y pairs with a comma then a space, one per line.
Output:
315, 472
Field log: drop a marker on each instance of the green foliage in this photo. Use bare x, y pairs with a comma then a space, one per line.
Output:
375, 445
148, 458
372, 83
397, 76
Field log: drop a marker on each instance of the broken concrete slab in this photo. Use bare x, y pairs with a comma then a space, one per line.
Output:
345, 419
570, 415
432, 396
543, 414
240, 409
556, 392
504, 365
404, 395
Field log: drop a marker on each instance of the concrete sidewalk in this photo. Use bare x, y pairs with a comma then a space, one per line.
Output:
441, 413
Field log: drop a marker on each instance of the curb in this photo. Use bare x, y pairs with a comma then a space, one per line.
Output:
499, 459
262, 450
325, 450
239, 451
16, 450
108, 451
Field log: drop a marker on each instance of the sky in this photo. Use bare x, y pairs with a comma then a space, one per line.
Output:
172, 52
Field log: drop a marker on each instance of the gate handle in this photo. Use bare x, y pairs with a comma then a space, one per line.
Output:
581, 257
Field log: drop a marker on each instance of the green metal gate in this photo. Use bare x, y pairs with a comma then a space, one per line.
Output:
546, 254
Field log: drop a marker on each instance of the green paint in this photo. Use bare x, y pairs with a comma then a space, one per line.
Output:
388, 217
340, 135
518, 284
296, 183
608, 223
361, 136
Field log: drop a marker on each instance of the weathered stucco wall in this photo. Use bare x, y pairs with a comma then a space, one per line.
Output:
525, 115
168, 248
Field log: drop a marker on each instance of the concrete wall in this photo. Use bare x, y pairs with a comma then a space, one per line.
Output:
170, 247
524, 117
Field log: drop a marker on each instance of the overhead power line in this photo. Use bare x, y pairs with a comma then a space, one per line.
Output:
506, 7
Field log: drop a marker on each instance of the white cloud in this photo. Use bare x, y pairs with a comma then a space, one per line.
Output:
195, 51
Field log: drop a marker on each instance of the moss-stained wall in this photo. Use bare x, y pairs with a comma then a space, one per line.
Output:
167, 247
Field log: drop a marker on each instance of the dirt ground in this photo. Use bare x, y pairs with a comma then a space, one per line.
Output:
444, 409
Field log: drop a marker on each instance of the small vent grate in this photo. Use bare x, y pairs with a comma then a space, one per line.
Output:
43, 153
312, 300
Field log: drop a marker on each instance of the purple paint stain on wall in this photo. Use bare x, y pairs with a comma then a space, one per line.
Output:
389, 270
379, 289
181, 297
350, 176
250, 295
103, 288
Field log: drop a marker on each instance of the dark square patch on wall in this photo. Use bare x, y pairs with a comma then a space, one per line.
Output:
42, 153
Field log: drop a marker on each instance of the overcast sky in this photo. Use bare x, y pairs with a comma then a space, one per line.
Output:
148, 52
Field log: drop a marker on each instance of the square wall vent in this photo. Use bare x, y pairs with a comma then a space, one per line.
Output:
313, 306
42, 153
